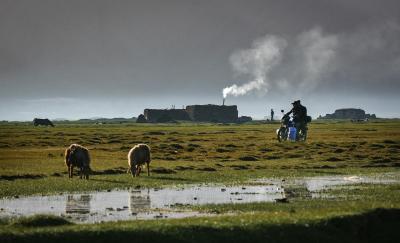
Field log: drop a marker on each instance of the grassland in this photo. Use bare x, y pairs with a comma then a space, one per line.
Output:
31, 162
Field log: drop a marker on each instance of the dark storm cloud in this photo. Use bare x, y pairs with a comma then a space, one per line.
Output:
107, 49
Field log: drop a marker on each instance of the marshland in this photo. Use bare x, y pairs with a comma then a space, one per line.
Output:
207, 181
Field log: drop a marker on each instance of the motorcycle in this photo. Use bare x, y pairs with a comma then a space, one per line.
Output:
287, 130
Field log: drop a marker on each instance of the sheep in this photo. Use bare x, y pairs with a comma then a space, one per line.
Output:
77, 155
137, 156
42, 122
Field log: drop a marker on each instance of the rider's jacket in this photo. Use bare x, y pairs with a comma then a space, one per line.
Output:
299, 113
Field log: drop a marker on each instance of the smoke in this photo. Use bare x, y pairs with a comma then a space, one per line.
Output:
317, 51
365, 58
256, 62
311, 53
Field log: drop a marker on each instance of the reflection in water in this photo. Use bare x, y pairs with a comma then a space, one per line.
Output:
139, 201
297, 191
156, 203
78, 205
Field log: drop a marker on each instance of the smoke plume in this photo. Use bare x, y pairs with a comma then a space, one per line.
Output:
256, 62
316, 59
303, 60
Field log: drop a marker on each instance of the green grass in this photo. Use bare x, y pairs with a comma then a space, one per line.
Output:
31, 162
310, 224
35, 154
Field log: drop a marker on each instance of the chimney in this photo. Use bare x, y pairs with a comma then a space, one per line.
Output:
223, 101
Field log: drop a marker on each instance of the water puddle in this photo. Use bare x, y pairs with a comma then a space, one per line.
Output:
135, 204
316, 186
164, 203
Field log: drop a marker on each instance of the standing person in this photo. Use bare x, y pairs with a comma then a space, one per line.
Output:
299, 116
272, 114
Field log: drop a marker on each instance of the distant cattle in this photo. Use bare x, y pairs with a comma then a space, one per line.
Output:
42, 122
138, 156
77, 156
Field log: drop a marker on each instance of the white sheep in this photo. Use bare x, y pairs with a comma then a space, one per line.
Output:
138, 156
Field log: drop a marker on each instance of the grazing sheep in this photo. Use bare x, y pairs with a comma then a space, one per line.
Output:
77, 155
42, 122
137, 156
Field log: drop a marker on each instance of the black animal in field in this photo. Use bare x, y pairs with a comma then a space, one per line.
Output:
42, 122
78, 156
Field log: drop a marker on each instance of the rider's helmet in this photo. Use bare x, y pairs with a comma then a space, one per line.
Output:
297, 102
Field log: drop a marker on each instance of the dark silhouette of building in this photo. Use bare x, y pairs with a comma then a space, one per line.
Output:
213, 113
159, 115
349, 113
199, 113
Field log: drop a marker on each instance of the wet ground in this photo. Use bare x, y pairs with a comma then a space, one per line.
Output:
135, 203
164, 203
318, 186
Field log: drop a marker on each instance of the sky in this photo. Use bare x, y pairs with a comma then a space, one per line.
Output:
98, 58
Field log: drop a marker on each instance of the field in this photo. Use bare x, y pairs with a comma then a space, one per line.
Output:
31, 162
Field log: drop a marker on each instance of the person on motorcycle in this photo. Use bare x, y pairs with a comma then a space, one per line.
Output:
299, 116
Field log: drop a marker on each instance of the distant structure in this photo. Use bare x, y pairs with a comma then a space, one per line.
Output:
213, 113
167, 115
349, 113
199, 113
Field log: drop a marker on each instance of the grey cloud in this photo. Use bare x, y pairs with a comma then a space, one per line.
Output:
101, 49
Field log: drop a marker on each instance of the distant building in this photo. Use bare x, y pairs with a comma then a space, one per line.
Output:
159, 115
199, 113
213, 113
349, 113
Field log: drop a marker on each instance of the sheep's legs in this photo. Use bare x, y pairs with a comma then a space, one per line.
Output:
80, 173
148, 169
70, 171
84, 173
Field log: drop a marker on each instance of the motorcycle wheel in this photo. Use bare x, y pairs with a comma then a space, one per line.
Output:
281, 135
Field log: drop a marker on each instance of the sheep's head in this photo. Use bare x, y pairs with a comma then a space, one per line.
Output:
74, 159
135, 170
69, 158
138, 170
